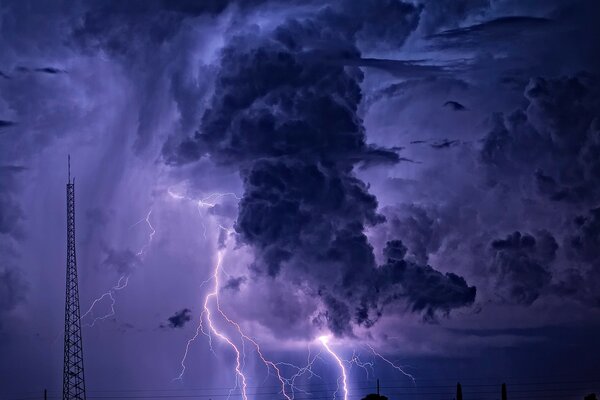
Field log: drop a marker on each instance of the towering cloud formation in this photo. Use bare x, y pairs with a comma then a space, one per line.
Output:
285, 113
522, 265
555, 140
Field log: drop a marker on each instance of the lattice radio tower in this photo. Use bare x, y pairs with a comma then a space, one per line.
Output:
73, 378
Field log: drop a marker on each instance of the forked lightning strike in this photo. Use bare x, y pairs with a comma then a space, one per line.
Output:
142, 251
124, 279
239, 355
207, 202
325, 341
365, 365
121, 284
222, 336
208, 312
396, 367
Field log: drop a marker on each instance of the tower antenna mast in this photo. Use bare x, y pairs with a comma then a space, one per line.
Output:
73, 377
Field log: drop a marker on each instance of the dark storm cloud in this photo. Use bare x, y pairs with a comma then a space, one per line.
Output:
440, 14
11, 213
234, 283
45, 70
454, 105
584, 243
554, 140
490, 30
404, 68
290, 123
6, 124
522, 265
582, 279
12, 283
425, 289
180, 318
444, 144
50, 70
583, 250
417, 228
118, 27
381, 23
121, 261
12, 291
158, 43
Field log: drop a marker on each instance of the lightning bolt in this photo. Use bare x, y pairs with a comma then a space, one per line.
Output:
208, 326
121, 284
123, 280
361, 364
325, 341
207, 202
300, 371
213, 297
142, 251
207, 315
396, 367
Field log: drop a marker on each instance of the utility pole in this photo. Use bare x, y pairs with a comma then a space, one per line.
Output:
377, 387
73, 377
504, 394
459, 392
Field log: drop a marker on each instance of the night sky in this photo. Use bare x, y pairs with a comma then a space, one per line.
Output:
412, 184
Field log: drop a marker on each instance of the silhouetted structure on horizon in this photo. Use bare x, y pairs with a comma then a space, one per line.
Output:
459, 392
375, 396
73, 378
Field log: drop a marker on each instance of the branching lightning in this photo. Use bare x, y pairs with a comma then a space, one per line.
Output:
207, 315
144, 248
365, 365
123, 279
287, 384
208, 326
325, 341
396, 367
121, 284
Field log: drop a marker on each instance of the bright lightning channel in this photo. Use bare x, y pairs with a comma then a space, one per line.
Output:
144, 248
365, 365
124, 279
207, 202
241, 379
239, 355
396, 367
121, 284
325, 341
206, 312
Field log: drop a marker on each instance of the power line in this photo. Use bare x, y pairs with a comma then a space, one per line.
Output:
334, 384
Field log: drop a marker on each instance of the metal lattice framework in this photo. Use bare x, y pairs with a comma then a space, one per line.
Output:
73, 378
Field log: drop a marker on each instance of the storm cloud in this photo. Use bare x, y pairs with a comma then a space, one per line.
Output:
554, 140
123, 262
180, 318
522, 265
290, 123
305, 111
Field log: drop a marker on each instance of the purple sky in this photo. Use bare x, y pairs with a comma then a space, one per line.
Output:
421, 178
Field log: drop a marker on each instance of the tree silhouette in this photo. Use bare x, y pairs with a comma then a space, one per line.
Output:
591, 396
374, 396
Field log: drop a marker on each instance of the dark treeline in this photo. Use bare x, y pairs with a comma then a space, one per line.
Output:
459, 394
